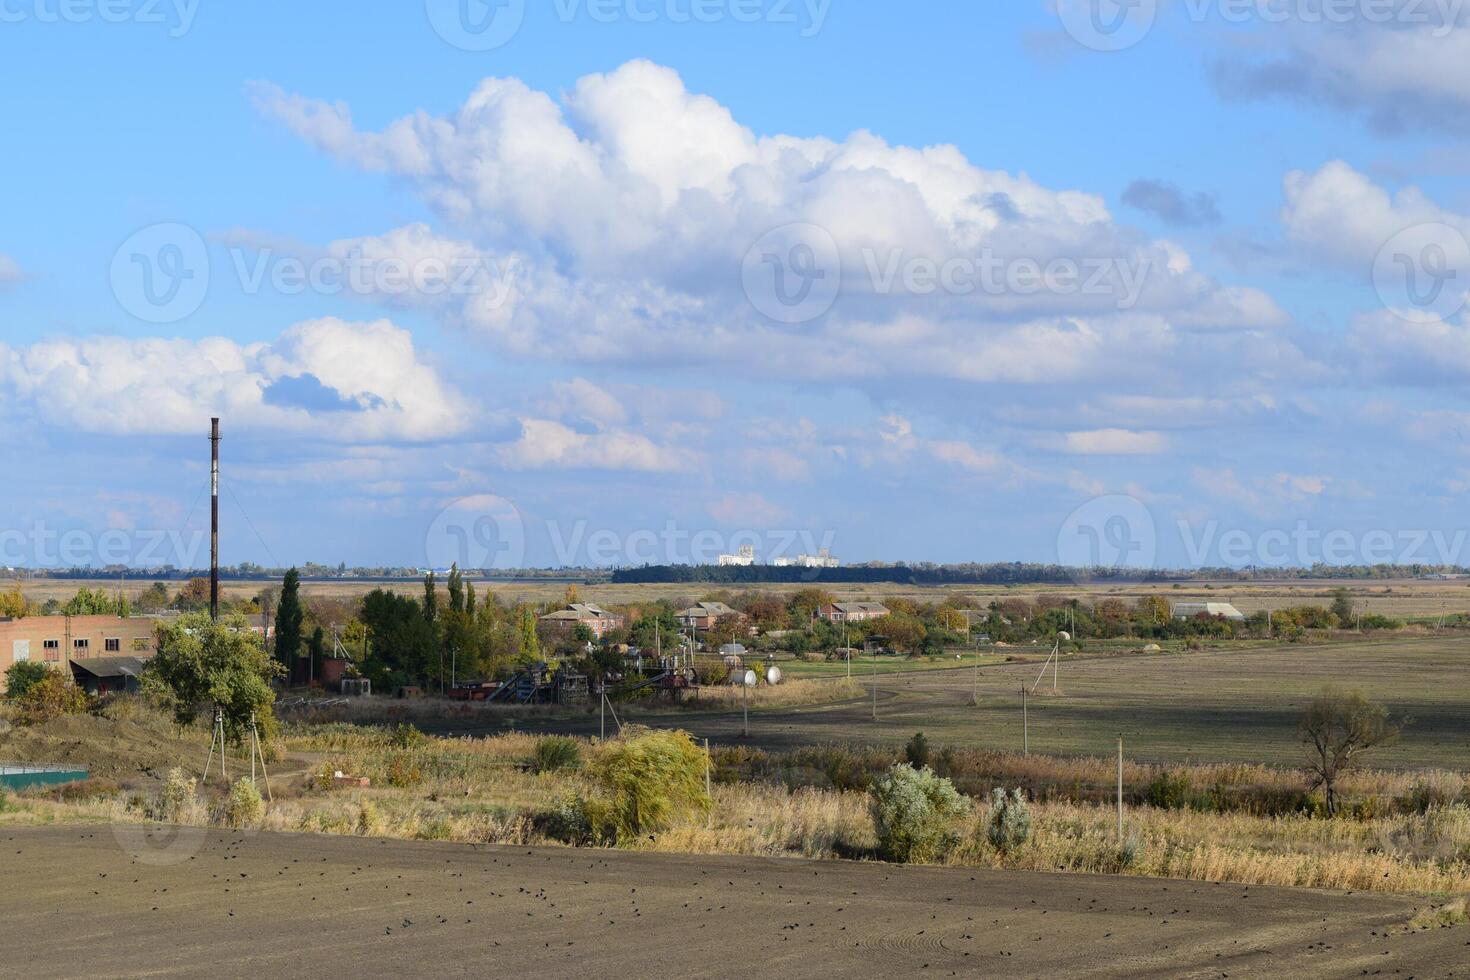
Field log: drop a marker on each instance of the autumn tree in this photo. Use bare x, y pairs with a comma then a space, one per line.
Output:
1337, 729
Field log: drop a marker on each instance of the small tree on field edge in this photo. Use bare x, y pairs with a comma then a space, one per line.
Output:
1338, 728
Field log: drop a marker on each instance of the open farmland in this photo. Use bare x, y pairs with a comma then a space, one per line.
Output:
1223, 705
1399, 598
125, 901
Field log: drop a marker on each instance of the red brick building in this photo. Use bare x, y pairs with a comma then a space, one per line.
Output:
58, 640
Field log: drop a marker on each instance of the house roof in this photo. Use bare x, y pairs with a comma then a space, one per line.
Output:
111, 666
861, 607
579, 612
708, 609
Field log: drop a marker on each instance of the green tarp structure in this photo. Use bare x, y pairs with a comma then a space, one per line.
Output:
24, 777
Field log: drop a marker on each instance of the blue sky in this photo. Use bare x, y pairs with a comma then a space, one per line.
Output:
588, 351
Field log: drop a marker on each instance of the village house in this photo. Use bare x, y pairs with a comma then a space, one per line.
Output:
703, 615
852, 612
587, 614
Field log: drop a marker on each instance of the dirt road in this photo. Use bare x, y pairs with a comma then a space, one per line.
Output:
76, 902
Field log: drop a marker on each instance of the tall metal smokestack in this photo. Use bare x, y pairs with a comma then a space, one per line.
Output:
214, 519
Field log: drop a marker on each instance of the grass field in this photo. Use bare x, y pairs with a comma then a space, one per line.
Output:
1224, 705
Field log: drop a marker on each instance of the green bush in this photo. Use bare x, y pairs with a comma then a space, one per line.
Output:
1009, 826
245, 807
917, 751
914, 812
646, 779
556, 753
20, 677
407, 737
1170, 791
569, 820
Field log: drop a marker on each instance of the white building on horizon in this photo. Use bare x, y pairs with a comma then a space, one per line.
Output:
745, 558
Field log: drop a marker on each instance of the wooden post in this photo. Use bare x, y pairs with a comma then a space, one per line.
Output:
1120, 787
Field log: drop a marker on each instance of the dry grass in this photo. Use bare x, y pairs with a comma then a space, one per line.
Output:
482, 791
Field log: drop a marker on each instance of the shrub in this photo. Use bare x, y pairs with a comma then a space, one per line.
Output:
51, 697
5, 804
407, 737
369, 819
1009, 826
1170, 790
403, 771
569, 820
914, 812
647, 778
245, 807
1434, 790
178, 796
557, 752
917, 751
20, 677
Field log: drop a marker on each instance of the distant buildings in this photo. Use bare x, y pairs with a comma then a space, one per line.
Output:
853, 612
746, 558
61, 641
821, 559
1189, 610
587, 614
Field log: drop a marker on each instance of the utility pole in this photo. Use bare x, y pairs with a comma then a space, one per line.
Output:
1025, 725
745, 700
214, 519
875, 681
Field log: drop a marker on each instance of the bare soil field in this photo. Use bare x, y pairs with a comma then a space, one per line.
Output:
125, 901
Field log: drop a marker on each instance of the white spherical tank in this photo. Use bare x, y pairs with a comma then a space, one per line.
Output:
773, 675
751, 680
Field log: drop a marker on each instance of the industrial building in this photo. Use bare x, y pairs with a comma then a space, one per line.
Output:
58, 641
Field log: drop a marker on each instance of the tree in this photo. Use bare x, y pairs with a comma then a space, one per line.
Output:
1337, 729
204, 664
13, 604
1342, 607
456, 590
194, 596
402, 645
21, 676
530, 642
431, 600
316, 650
290, 618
